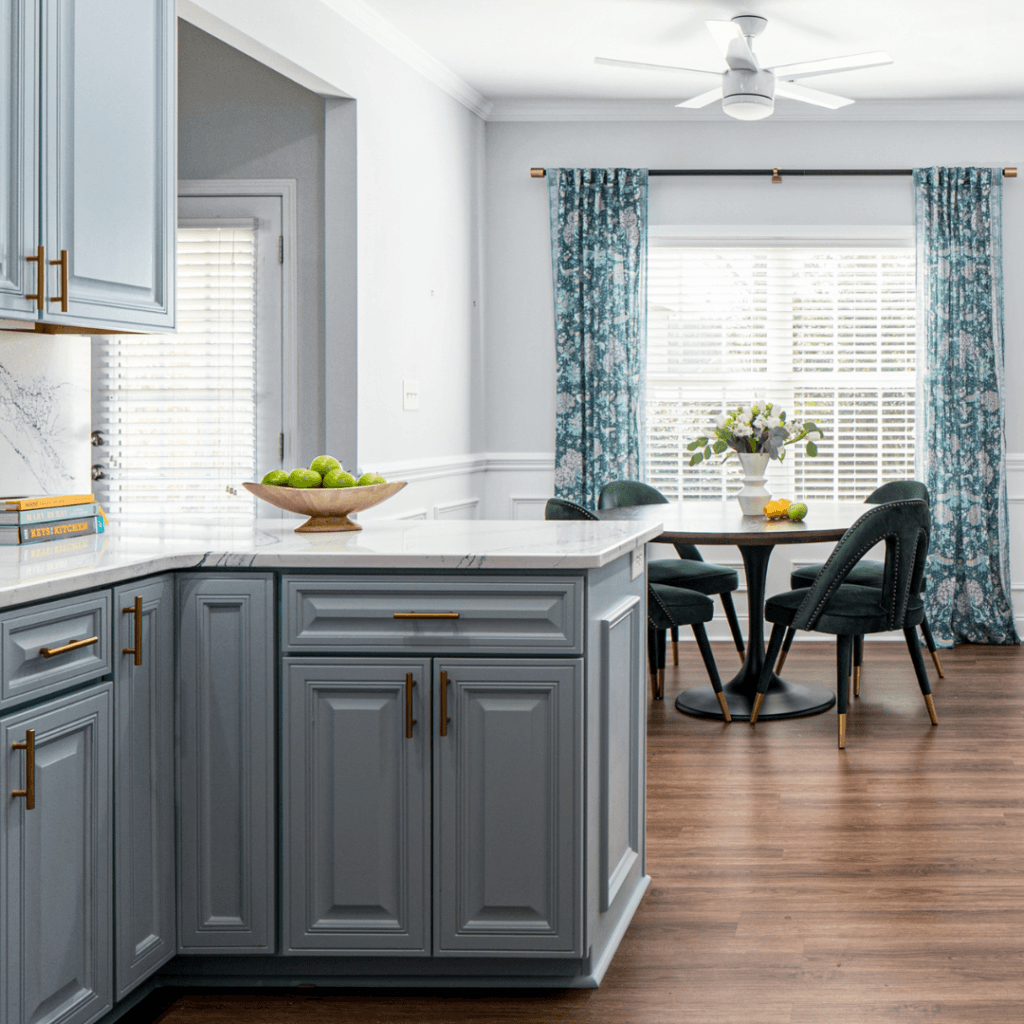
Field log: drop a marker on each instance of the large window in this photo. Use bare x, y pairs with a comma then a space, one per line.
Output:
823, 327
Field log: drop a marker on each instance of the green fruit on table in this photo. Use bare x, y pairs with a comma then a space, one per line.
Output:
796, 511
371, 478
339, 478
276, 478
323, 464
304, 478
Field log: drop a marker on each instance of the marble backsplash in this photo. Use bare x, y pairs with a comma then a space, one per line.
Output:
45, 414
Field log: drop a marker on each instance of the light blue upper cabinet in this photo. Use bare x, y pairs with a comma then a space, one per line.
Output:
88, 162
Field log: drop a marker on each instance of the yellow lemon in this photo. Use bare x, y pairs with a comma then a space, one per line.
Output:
776, 508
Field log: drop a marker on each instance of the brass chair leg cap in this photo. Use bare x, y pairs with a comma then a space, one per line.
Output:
842, 730
930, 705
938, 664
758, 701
724, 706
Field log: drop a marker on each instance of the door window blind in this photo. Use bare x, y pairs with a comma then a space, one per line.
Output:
826, 331
178, 411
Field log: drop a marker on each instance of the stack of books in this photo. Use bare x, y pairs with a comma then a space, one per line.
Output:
51, 517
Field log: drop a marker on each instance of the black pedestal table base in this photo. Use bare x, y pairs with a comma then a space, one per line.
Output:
784, 699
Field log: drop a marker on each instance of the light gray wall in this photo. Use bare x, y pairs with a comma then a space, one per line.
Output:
518, 310
239, 119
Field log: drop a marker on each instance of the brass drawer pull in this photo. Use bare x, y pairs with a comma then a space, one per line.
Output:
63, 264
40, 261
409, 720
426, 615
135, 610
29, 792
49, 652
444, 704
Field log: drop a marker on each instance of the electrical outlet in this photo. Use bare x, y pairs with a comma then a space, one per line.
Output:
410, 395
636, 563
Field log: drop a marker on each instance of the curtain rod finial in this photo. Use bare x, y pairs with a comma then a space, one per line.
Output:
776, 176
539, 172
1009, 172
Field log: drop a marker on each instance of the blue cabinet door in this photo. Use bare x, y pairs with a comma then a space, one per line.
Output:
19, 154
144, 780
108, 156
55, 896
226, 654
355, 791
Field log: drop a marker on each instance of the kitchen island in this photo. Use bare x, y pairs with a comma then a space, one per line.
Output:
409, 755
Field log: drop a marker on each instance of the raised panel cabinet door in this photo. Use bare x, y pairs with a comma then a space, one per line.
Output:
55, 870
356, 805
19, 154
108, 154
508, 807
144, 780
225, 663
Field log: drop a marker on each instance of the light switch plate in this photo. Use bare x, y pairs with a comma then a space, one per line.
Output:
410, 394
636, 564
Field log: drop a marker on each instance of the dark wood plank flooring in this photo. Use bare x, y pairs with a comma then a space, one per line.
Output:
794, 883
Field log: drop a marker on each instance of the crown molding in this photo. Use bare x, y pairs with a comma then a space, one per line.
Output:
664, 110
381, 31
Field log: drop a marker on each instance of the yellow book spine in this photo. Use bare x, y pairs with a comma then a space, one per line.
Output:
52, 501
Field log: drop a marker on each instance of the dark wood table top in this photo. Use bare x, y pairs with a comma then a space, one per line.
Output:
721, 522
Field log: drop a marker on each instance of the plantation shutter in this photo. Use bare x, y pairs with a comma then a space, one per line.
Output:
178, 411
825, 331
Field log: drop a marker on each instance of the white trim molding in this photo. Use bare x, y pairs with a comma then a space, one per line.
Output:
452, 509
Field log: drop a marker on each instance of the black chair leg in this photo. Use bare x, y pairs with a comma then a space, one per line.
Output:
858, 660
774, 644
675, 645
662, 645
701, 636
790, 633
734, 623
652, 658
926, 632
920, 671
844, 654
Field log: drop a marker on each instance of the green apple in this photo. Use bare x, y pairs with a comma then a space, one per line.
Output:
276, 478
370, 478
304, 478
323, 464
339, 478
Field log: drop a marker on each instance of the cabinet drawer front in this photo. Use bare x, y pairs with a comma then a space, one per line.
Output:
485, 616
25, 634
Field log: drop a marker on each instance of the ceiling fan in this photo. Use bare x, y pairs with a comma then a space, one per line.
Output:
747, 90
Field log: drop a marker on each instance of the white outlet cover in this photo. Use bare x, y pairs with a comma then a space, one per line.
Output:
410, 394
636, 564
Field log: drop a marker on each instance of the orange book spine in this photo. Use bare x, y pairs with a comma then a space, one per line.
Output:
51, 501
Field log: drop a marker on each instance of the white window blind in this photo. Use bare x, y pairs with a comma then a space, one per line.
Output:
826, 331
178, 411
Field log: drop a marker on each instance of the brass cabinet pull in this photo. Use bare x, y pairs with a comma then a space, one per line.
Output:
426, 615
135, 610
29, 792
444, 704
63, 264
40, 261
49, 652
409, 720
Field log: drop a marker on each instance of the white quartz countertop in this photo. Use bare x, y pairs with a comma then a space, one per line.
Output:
31, 572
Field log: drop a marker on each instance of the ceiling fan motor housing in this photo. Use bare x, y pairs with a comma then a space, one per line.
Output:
748, 95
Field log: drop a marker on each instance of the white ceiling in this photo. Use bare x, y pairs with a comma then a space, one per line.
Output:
544, 49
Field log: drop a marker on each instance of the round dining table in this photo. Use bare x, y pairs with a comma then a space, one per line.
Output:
722, 522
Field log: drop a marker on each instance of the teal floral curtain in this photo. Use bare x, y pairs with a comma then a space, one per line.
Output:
599, 264
960, 407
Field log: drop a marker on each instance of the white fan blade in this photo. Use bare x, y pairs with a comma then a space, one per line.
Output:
832, 64
702, 100
651, 67
820, 99
732, 42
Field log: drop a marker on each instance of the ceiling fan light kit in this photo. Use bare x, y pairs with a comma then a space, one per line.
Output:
747, 90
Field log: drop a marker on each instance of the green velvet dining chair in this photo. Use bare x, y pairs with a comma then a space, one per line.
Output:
867, 573
668, 608
689, 570
847, 610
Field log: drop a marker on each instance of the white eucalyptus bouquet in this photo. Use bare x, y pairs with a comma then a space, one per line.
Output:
752, 429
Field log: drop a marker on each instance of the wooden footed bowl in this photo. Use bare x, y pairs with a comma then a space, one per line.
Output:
328, 508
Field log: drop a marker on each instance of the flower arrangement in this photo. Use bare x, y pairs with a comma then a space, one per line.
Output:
756, 428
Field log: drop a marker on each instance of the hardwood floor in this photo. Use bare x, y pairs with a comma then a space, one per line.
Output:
794, 883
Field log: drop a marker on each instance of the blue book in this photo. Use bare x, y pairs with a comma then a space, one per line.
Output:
59, 530
49, 515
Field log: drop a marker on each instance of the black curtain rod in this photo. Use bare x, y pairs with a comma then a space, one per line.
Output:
776, 173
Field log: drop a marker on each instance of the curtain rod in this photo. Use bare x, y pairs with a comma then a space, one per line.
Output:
776, 173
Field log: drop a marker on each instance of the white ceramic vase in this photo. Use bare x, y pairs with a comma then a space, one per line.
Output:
754, 493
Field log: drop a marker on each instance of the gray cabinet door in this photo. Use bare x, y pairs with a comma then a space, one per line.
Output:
108, 160
356, 805
19, 153
55, 897
144, 781
508, 807
225, 758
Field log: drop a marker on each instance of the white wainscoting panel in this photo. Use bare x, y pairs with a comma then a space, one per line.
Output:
520, 507
467, 509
